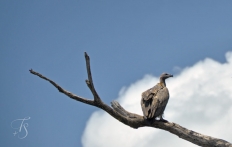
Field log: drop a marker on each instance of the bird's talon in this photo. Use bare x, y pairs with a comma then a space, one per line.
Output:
163, 120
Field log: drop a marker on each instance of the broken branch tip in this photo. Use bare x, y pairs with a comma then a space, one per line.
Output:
86, 55
31, 70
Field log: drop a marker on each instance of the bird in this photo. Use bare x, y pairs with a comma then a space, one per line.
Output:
155, 99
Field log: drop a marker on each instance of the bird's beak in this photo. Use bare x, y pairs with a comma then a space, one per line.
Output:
170, 75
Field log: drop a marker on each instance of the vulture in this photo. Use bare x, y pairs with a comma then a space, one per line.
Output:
155, 99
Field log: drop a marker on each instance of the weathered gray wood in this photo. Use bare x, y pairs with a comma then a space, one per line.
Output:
134, 120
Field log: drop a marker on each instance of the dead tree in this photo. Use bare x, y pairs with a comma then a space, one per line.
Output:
134, 120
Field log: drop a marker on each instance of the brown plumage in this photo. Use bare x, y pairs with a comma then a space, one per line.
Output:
155, 99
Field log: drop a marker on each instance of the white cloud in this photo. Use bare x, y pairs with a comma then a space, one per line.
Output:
200, 100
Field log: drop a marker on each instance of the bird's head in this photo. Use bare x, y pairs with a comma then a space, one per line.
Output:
164, 76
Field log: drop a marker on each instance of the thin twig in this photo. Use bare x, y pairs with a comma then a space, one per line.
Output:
69, 94
89, 82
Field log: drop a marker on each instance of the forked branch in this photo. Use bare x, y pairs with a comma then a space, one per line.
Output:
134, 120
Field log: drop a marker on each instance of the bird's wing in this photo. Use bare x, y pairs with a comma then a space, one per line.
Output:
147, 100
154, 105
162, 97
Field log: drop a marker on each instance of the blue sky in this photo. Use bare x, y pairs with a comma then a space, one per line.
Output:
125, 40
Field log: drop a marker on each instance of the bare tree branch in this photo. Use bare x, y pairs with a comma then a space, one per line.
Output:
89, 82
69, 94
134, 120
